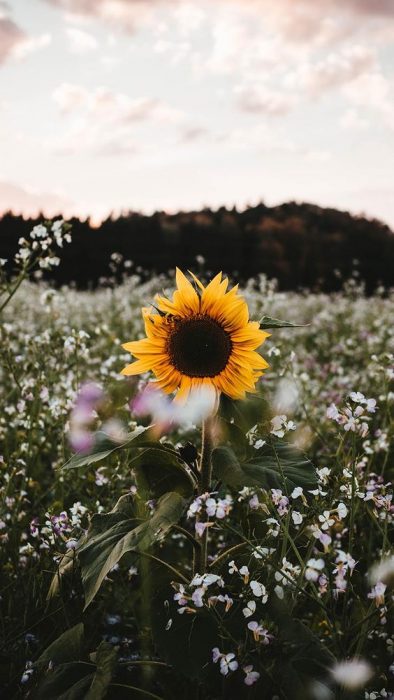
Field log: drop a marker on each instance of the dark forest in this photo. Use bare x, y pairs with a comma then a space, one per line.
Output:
300, 245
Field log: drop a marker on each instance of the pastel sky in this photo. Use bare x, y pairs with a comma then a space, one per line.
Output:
109, 105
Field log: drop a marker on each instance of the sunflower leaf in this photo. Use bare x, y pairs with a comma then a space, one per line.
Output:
69, 681
159, 471
67, 647
232, 434
105, 660
104, 446
245, 414
66, 566
275, 465
304, 657
268, 322
112, 535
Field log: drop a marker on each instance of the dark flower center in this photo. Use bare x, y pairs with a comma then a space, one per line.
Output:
198, 347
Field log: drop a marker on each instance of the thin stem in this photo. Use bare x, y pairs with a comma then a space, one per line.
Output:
23, 274
187, 534
134, 688
205, 469
206, 455
228, 553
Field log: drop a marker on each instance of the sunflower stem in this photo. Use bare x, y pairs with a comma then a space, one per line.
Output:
205, 469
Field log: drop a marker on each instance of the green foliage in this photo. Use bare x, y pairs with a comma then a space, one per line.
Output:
67, 647
69, 681
305, 659
267, 322
245, 414
187, 644
112, 535
105, 660
51, 341
104, 447
275, 465
66, 566
64, 676
159, 470
297, 243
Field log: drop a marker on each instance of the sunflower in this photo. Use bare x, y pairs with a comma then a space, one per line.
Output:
200, 338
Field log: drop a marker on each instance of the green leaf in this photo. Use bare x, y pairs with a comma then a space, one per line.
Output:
187, 644
227, 468
68, 562
303, 658
110, 536
105, 660
71, 679
275, 465
232, 433
68, 681
67, 647
104, 446
66, 566
245, 414
268, 322
160, 471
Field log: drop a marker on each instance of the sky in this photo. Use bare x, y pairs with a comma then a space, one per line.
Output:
112, 105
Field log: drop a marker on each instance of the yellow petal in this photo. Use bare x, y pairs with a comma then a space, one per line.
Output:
212, 292
137, 367
145, 346
197, 281
184, 390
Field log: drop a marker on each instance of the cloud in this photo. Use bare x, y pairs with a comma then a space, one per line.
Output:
334, 70
11, 36
69, 97
302, 22
193, 134
14, 42
104, 122
109, 106
374, 92
259, 137
80, 42
373, 8
30, 45
126, 14
316, 155
351, 119
369, 7
177, 50
29, 201
189, 17
260, 99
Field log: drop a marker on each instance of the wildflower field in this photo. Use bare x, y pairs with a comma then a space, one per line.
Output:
127, 573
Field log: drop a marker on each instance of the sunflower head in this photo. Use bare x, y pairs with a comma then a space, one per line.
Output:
202, 337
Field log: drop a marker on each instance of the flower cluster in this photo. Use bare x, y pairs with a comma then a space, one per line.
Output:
318, 552
354, 419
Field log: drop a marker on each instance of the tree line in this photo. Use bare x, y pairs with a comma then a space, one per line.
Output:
299, 244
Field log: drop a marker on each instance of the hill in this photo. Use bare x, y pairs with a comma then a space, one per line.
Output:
301, 245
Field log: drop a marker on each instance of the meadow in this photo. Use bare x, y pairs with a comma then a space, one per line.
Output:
293, 604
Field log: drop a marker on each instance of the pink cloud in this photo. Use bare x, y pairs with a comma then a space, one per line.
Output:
31, 202
10, 37
370, 7
80, 42
107, 105
104, 121
260, 99
367, 7
127, 14
14, 42
334, 70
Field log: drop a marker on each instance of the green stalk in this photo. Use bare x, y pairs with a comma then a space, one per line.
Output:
205, 468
